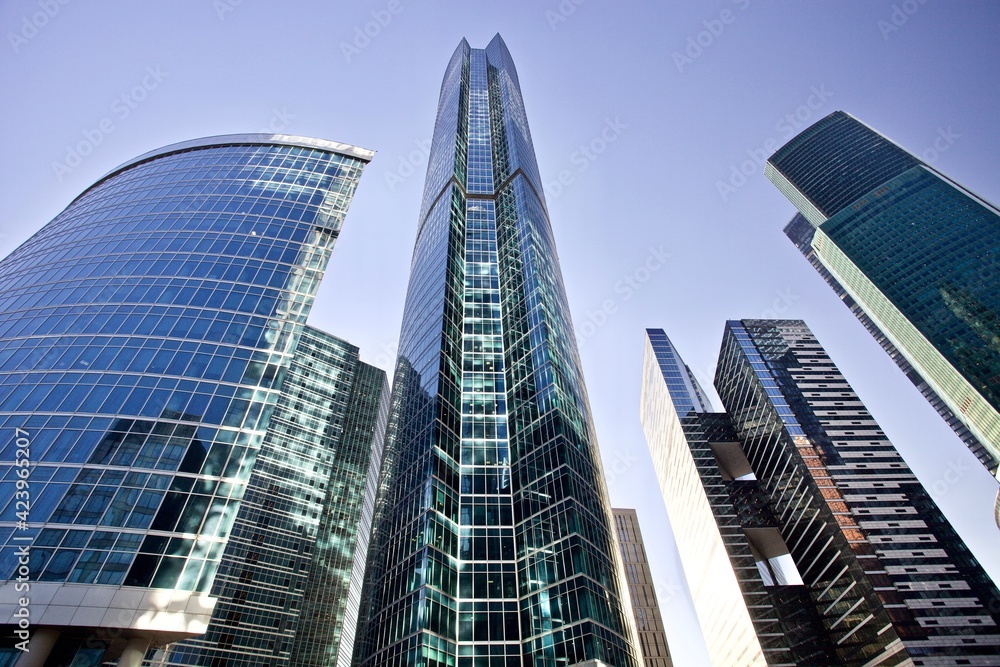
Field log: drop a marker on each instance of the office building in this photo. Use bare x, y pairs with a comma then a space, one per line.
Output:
282, 586
145, 336
493, 543
847, 552
914, 255
642, 590
726, 534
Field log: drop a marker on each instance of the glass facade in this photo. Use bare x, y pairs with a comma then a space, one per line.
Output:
723, 525
283, 582
889, 577
801, 232
145, 336
915, 254
332, 595
493, 541
642, 590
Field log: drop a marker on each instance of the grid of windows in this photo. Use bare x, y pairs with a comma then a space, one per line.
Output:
146, 333
478, 560
945, 294
841, 488
642, 590
329, 617
801, 232
488, 622
838, 160
710, 498
914, 256
285, 569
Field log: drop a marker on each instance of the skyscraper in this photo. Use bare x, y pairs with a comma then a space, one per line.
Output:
642, 590
827, 530
726, 535
915, 257
145, 335
493, 544
283, 582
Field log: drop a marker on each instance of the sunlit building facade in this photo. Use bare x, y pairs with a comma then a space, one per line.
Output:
282, 586
890, 577
145, 336
724, 529
493, 543
642, 590
840, 554
914, 255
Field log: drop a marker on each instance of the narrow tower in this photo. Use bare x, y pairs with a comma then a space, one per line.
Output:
642, 590
493, 542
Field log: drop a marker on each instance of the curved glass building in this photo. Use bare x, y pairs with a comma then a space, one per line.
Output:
144, 338
913, 254
493, 543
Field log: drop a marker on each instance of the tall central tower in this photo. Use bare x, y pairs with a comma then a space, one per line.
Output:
493, 540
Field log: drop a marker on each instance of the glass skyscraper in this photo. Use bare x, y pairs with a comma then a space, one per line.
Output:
300, 531
842, 556
145, 336
493, 544
914, 255
716, 511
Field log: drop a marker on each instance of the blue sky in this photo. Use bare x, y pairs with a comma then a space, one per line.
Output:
650, 123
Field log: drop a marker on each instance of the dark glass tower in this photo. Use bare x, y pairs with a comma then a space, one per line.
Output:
146, 332
290, 559
914, 255
753, 607
840, 555
493, 544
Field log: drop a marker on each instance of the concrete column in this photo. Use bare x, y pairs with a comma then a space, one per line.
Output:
39, 647
134, 652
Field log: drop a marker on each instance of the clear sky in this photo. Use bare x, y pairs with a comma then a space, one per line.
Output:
648, 111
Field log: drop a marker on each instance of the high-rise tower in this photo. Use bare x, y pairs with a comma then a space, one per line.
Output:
642, 590
841, 555
145, 335
726, 533
493, 543
914, 255
298, 543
